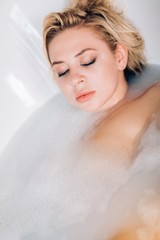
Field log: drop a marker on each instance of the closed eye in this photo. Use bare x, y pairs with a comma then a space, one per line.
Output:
84, 65
63, 73
90, 63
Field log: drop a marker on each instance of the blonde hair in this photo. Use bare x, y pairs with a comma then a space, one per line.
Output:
107, 20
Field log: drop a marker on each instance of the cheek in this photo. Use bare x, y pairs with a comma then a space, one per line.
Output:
66, 90
107, 65
61, 85
107, 72
106, 79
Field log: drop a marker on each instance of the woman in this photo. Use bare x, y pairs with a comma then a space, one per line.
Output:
91, 47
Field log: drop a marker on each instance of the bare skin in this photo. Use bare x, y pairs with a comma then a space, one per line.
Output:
131, 235
134, 118
87, 65
125, 235
121, 131
138, 230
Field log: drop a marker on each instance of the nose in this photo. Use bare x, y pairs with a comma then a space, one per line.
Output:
78, 79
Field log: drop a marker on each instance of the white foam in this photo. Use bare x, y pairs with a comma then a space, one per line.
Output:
51, 189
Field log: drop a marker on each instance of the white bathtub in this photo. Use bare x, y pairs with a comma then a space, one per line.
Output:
29, 115
25, 78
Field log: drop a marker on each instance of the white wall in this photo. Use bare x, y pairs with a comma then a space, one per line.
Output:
145, 14
26, 81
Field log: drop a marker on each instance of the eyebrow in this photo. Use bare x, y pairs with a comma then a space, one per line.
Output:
84, 50
78, 54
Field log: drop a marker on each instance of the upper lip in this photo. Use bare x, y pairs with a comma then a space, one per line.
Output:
83, 93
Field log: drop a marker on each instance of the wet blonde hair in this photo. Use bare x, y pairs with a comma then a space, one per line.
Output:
106, 19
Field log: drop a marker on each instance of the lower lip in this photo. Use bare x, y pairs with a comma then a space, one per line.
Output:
85, 97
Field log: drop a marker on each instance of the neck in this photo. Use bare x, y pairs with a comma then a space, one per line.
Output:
118, 95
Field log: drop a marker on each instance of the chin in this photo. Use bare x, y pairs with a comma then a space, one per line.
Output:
91, 109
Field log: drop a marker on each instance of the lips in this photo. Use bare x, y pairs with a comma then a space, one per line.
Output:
84, 96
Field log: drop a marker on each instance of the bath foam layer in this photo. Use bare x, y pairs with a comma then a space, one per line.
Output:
50, 189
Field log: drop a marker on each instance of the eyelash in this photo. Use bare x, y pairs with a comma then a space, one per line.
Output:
62, 74
84, 65
90, 63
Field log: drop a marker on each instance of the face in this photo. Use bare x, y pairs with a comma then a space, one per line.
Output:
89, 74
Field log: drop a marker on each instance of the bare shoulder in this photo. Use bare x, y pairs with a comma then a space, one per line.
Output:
122, 130
154, 91
133, 113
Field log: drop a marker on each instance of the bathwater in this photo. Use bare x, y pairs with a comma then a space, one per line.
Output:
52, 190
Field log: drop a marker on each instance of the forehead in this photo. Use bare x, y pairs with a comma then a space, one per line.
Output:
73, 40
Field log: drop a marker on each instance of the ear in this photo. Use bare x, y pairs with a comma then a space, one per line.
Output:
121, 54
